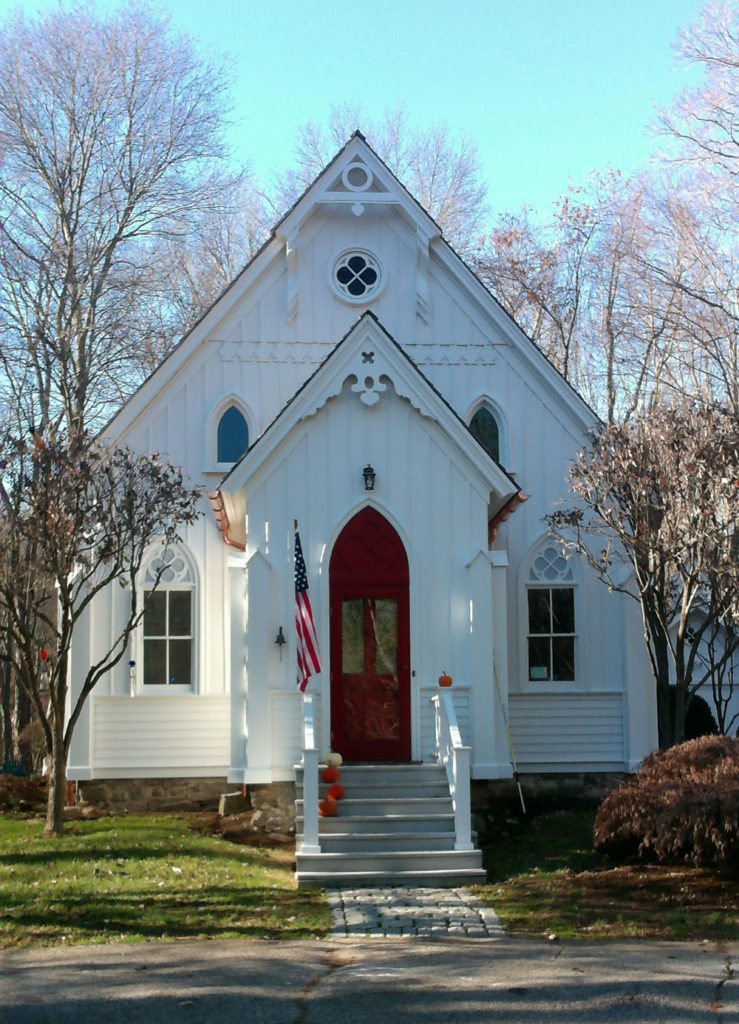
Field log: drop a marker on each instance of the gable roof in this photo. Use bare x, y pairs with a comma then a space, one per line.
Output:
369, 352
282, 236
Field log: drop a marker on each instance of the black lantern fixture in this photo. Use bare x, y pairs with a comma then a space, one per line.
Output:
280, 640
369, 477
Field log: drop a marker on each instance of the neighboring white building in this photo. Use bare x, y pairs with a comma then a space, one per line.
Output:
357, 337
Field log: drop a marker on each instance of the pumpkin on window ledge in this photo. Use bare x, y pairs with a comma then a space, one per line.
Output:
445, 680
328, 808
330, 774
336, 792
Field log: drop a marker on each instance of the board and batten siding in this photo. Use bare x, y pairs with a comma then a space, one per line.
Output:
161, 736
568, 732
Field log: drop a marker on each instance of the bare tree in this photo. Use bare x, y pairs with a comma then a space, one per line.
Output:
112, 136
699, 130
657, 506
440, 169
75, 518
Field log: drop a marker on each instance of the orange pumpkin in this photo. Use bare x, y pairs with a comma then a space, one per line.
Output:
328, 808
330, 774
336, 792
445, 680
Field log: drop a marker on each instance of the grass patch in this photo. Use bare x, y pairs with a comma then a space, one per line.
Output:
545, 878
135, 879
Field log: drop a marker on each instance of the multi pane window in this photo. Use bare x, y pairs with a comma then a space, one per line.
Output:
168, 638
551, 618
168, 626
357, 275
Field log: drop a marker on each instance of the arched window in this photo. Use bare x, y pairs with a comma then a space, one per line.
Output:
550, 605
169, 623
233, 435
484, 427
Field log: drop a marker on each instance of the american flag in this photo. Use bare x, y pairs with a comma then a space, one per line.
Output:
309, 658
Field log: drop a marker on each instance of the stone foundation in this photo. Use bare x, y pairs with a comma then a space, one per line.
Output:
494, 800
153, 794
267, 808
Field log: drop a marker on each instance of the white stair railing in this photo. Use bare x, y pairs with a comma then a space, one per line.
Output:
455, 756
311, 843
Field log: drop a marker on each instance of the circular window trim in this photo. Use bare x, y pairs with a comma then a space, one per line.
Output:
371, 293
366, 184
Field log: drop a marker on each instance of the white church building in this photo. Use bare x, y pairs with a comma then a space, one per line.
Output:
358, 378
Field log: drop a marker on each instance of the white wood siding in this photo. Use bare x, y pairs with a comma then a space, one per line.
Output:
568, 732
160, 736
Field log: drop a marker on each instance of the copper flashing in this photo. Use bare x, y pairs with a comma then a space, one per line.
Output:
505, 513
221, 517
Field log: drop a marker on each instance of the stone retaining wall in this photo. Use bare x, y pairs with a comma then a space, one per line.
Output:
153, 794
270, 807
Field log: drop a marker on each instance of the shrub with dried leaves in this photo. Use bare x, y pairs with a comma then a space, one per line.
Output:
682, 805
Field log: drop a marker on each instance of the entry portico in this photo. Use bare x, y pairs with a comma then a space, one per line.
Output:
401, 577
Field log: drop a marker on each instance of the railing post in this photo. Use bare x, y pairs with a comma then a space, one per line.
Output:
462, 806
456, 759
311, 843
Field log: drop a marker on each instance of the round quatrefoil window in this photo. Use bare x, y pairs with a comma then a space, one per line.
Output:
357, 275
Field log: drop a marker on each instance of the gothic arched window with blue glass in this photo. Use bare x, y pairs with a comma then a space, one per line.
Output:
484, 427
233, 435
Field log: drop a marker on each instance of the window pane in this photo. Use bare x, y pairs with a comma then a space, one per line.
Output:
564, 658
539, 658
352, 637
384, 618
155, 662
233, 435
180, 602
539, 618
484, 427
563, 610
155, 616
180, 660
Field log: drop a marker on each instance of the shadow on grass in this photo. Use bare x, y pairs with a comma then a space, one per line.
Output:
210, 912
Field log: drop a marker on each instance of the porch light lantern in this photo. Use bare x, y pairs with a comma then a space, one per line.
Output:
369, 477
280, 640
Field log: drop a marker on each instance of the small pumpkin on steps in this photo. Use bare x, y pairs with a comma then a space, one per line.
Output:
328, 808
330, 774
336, 792
445, 680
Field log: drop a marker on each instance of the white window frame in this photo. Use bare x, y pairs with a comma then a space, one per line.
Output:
211, 431
373, 259
533, 578
485, 402
183, 577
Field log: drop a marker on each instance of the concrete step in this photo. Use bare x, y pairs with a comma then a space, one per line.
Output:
384, 774
368, 789
445, 879
371, 823
384, 842
349, 807
335, 865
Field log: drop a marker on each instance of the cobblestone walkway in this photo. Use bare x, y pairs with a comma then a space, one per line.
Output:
402, 911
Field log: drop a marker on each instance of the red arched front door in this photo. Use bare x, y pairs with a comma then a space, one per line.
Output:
370, 642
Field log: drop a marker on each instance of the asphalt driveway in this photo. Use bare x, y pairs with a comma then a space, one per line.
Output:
349, 981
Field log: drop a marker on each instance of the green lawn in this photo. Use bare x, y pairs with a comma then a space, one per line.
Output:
546, 879
134, 879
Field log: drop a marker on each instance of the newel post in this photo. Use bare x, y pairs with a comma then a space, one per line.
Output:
311, 842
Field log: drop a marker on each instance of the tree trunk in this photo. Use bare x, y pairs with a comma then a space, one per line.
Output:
57, 798
7, 715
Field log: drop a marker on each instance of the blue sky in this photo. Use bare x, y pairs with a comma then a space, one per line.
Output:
549, 89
